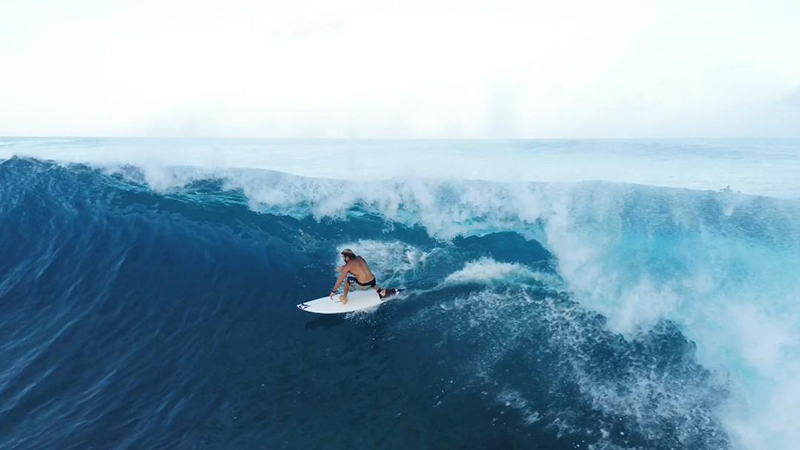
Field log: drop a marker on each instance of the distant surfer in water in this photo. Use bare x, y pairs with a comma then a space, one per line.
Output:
357, 274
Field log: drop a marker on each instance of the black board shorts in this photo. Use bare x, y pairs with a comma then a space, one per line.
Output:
355, 285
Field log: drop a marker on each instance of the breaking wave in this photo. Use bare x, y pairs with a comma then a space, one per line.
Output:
591, 314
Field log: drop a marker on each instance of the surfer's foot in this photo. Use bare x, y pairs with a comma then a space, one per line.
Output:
343, 299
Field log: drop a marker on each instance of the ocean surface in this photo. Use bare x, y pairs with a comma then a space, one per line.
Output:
600, 295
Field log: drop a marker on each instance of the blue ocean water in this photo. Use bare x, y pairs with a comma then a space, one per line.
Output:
151, 306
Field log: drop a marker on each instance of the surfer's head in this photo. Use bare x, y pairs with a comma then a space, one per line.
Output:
348, 254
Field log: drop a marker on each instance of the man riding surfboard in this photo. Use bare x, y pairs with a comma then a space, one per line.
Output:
357, 274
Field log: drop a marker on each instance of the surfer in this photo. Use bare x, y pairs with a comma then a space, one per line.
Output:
357, 274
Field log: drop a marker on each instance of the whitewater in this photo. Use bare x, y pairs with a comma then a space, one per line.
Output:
610, 294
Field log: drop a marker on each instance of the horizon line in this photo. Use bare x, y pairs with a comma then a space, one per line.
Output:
285, 138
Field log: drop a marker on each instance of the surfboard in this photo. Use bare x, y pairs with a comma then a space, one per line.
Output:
356, 301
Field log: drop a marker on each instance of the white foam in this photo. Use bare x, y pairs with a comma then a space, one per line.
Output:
488, 271
514, 399
734, 293
500, 321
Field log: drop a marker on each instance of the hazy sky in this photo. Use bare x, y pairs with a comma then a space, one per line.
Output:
427, 69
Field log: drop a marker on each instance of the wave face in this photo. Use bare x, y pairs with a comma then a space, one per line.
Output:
155, 309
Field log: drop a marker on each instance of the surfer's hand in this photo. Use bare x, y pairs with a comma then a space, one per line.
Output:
332, 294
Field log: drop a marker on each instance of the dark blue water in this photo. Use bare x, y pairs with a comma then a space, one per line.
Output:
131, 319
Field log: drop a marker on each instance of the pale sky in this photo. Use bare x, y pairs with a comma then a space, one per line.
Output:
404, 69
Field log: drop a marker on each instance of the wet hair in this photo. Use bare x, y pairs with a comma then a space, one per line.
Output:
349, 253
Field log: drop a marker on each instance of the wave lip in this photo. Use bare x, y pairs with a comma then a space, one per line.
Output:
754, 166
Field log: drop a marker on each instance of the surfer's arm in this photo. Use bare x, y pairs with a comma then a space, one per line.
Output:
344, 271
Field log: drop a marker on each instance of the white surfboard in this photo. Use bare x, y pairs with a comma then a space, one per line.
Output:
356, 301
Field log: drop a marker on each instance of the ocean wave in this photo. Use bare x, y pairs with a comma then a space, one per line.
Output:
632, 286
